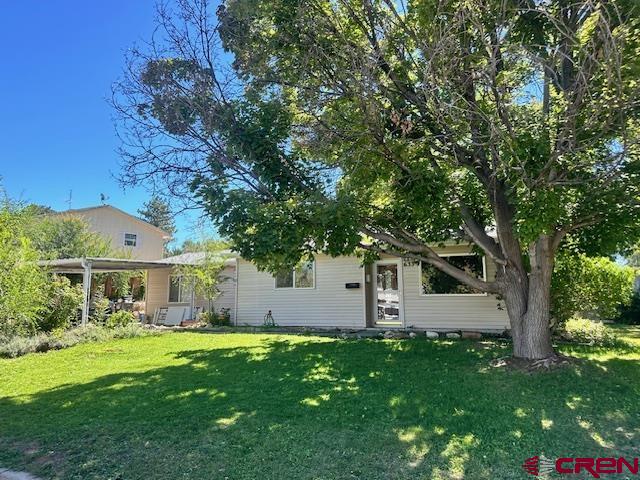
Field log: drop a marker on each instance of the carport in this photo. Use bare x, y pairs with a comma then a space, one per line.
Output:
88, 265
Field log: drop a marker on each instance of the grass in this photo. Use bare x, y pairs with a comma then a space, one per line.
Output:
241, 406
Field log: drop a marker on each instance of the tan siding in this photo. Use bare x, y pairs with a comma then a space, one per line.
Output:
112, 224
451, 312
157, 291
329, 304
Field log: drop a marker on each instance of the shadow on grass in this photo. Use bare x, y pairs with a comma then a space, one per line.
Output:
324, 409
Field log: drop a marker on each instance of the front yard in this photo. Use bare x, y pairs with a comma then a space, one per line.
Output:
240, 406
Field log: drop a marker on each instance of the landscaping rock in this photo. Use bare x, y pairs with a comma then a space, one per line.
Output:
472, 335
432, 335
412, 334
453, 335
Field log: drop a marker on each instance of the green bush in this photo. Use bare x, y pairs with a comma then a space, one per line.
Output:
630, 314
583, 330
217, 319
589, 286
63, 305
23, 284
100, 308
42, 342
120, 319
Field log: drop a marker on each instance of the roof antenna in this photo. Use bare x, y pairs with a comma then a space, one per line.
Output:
103, 199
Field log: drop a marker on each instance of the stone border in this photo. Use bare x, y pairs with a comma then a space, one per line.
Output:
6, 474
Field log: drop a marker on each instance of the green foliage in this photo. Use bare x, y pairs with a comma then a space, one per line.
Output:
100, 306
583, 330
17, 346
157, 212
596, 287
63, 305
217, 319
23, 284
67, 236
120, 319
630, 314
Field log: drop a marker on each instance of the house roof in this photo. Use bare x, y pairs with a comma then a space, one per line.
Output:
194, 258
110, 207
102, 264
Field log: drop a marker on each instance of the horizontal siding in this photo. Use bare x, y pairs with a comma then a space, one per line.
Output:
329, 304
451, 312
157, 291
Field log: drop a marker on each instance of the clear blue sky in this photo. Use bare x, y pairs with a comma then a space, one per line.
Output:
56, 131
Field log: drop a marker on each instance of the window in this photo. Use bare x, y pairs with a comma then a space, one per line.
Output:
435, 282
300, 277
130, 240
179, 289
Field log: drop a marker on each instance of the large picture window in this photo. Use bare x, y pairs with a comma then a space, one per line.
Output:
435, 282
180, 289
300, 277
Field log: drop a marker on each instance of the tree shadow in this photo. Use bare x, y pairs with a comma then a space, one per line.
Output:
324, 409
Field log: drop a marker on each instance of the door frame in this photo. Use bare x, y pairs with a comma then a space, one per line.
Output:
374, 290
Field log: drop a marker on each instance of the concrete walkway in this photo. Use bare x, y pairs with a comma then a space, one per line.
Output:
6, 474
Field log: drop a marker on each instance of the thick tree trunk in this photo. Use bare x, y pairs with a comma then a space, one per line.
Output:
528, 301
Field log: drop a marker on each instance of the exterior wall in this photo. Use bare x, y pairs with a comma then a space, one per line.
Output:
157, 292
451, 312
113, 224
329, 304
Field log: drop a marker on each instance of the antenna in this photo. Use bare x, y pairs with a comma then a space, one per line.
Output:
103, 198
69, 199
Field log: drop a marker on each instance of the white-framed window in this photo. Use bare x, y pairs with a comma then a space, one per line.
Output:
130, 240
180, 288
436, 282
303, 276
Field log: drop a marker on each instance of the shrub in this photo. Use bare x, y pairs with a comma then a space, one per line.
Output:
23, 284
217, 319
594, 287
100, 309
62, 307
630, 314
42, 342
583, 330
120, 319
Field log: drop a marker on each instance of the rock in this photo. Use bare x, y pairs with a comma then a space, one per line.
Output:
472, 335
388, 334
453, 335
412, 335
432, 334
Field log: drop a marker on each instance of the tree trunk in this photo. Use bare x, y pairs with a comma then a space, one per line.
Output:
528, 301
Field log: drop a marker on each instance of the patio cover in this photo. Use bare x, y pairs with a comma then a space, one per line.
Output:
86, 266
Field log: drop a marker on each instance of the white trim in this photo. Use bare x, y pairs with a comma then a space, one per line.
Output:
293, 287
456, 254
124, 240
179, 290
374, 286
235, 308
364, 294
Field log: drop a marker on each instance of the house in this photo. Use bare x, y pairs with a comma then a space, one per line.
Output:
338, 292
329, 292
138, 239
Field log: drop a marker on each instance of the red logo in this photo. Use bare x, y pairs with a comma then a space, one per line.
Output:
539, 465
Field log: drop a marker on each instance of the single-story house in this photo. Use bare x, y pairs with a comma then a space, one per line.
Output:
338, 292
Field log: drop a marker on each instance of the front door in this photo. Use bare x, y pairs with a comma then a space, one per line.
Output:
387, 294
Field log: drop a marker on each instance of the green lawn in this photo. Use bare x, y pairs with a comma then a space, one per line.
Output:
238, 406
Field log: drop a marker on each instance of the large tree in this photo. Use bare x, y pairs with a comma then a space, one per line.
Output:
157, 212
386, 127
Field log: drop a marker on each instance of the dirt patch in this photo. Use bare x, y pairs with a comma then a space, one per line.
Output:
33, 453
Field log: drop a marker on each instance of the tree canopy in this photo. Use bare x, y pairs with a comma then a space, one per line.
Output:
387, 127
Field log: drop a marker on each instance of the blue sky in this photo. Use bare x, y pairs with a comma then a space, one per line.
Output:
56, 130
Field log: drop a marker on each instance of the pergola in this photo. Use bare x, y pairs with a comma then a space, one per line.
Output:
86, 266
